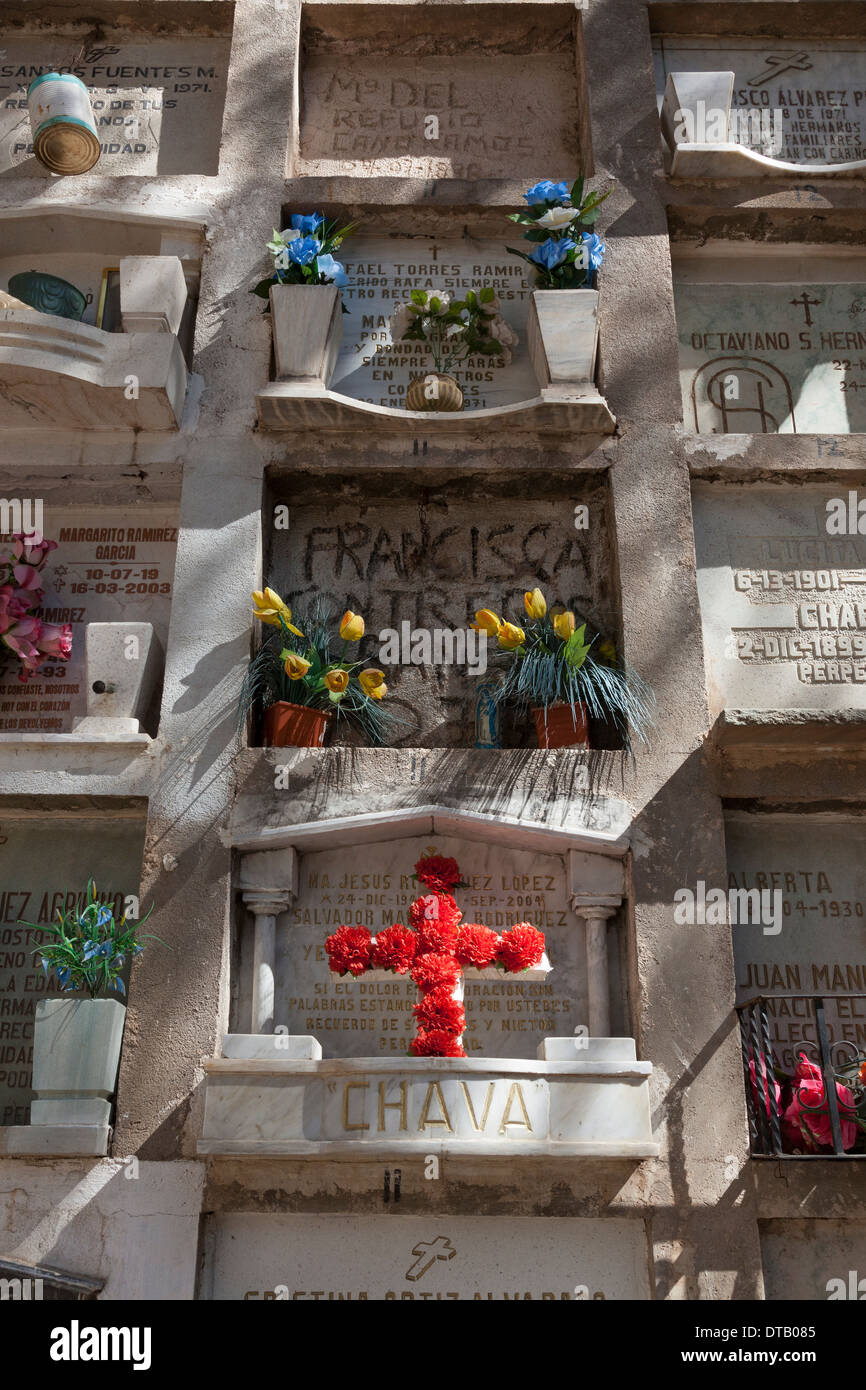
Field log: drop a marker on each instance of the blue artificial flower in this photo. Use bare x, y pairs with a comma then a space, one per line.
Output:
333, 269
44, 965
552, 253
548, 192
62, 978
308, 224
304, 249
118, 986
595, 249
95, 948
104, 916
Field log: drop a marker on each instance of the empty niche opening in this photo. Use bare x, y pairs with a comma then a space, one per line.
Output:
416, 558
438, 91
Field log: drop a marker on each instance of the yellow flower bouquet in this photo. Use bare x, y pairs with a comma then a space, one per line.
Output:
298, 667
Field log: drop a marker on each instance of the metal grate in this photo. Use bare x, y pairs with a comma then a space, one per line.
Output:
839, 1064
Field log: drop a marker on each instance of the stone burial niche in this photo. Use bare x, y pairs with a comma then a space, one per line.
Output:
765, 91
422, 558
783, 600
111, 578
324, 1066
156, 82
419, 91
772, 332
48, 850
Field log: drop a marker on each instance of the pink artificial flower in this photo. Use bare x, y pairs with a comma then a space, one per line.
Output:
32, 547
26, 577
56, 640
807, 1118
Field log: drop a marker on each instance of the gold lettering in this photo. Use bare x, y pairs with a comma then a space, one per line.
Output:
392, 1104
469, 1106
434, 1088
515, 1092
350, 1085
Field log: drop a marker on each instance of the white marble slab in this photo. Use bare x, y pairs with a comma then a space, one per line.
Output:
818, 88
332, 1258
773, 359
382, 273
817, 865
783, 602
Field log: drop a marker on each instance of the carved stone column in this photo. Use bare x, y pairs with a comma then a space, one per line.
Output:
266, 908
596, 916
268, 884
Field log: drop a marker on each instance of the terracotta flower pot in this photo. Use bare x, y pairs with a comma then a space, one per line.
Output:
562, 726
446, 396
294, 726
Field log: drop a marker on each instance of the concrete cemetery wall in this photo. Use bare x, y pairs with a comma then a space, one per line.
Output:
730, 736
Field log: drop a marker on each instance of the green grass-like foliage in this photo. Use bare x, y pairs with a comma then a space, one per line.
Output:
546, 670
88, 950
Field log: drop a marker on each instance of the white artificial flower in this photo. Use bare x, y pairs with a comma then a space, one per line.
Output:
491, 308
555, 219
444, 301
290, 234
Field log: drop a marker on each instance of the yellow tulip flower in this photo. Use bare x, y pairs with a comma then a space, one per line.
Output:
535, 603
351, 626
295, 666
487, 621
511, 636
563, 625
370, 681
337, 681
378, 692
269, 607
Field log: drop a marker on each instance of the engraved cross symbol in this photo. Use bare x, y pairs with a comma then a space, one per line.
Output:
806, 303
777, 63
428, 1252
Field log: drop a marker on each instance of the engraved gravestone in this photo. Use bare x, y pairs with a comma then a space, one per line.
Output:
293, 1258
110, 563
157, 102
817, 866
372, 886
434, 117
383, 272
818, 89
44, 865
768, 359
783, 600
410, 563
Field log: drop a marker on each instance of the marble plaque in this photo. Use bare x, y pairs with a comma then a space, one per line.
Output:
783, 602
818, 866
772, 359
110, 563
465, 117
282, 1257
818, 88
157, 103
44, 865
431, 562
383, 272
371, 886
